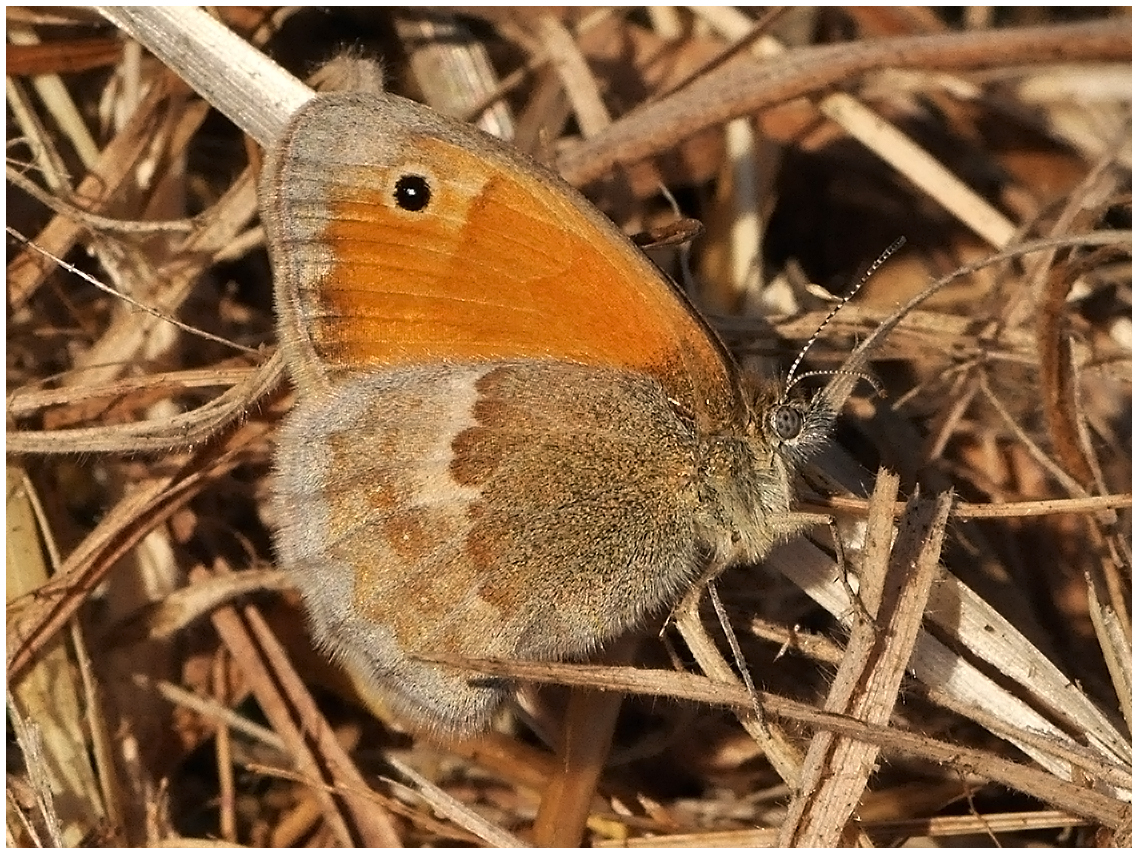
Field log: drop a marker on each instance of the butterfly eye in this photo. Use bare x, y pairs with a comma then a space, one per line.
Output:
412, 193
786, 421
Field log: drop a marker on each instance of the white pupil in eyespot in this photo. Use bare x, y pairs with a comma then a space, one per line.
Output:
786, 422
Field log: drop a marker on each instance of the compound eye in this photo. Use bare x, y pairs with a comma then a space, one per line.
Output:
786, 421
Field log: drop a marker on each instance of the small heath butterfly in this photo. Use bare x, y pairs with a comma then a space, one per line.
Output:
513, 436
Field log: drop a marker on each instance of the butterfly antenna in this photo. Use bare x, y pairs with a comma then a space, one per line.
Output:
791, 381
861, 375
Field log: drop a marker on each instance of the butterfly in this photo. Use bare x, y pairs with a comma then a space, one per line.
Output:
514, 437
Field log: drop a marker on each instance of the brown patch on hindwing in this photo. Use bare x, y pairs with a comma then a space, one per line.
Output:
478, 450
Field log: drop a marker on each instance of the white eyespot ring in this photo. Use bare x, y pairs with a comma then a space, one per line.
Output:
786, 422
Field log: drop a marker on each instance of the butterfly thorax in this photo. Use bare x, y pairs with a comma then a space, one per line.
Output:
748, 469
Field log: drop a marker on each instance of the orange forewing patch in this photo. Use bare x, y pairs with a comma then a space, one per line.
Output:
501, 266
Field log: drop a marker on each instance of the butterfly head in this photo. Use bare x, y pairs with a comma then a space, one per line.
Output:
797, 428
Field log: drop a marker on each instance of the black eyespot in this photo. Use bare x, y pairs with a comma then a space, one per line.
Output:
412, 193
786, 421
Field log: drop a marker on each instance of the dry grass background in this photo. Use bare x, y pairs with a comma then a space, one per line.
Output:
161, 686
